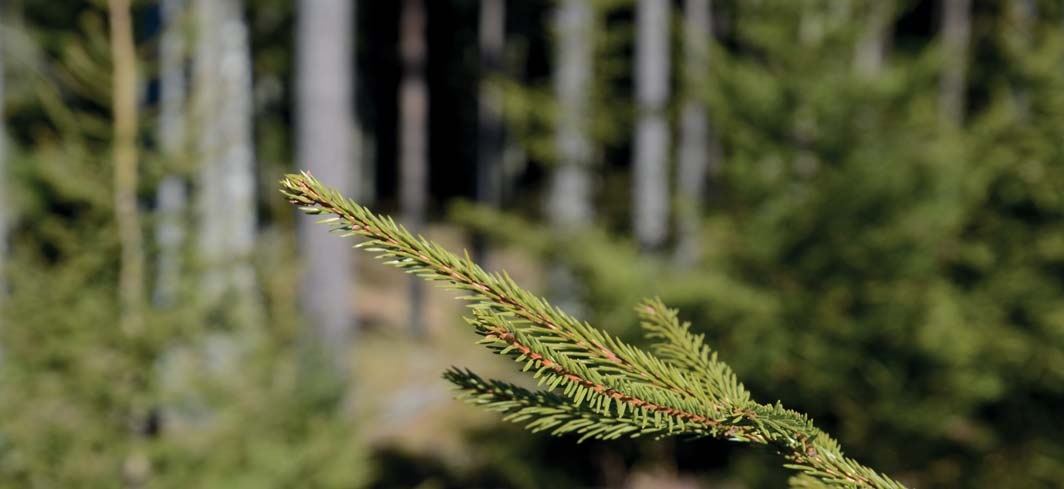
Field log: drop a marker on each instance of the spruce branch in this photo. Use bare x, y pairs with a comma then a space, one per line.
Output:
545, 411
608, 388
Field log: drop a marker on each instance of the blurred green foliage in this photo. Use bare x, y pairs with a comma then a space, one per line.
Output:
899, 280
190, 400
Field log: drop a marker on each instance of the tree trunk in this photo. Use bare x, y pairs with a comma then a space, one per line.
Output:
1025, 13
227, 178
650, 210
127, 217
413, 138
956, 34
325, 146
874, 41
211, 251
698, 149
124, 100
569, 196
569, 204
5, 206
489, 113
171, 195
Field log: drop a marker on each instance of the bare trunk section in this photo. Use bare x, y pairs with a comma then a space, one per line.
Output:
874, 41
171, 198
413, 138
489, 113
325, 135
1025, 13
650, 207
569, 196
124, 149
956, 34
239, 152
206, 65
698, 150
569, 204
124, 99
227, 180
4, 204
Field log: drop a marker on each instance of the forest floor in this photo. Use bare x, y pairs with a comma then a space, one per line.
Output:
412, 408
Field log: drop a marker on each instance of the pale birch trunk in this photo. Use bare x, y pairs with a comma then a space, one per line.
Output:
569, 195
325, 141
956, 34
127, 216
492, 35
650, 206
171, 198
698, 151
569, 204
413, 139
227, 180
206, 66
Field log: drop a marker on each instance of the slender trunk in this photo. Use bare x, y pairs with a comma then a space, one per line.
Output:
239, 153
227, 178
569, 196
325, 146
209, 203
131, 270
413, 138
698, 149
1025, 13
171, 196
569, 203
131, 264
956, 34
650, 177
4, 204
874, 41
489, 113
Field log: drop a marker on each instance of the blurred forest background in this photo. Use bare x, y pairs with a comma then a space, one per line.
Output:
859, 202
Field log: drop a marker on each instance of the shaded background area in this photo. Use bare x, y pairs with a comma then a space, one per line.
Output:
859, 202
